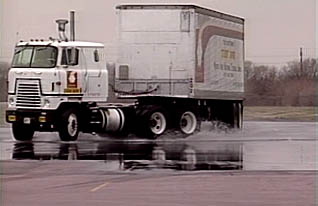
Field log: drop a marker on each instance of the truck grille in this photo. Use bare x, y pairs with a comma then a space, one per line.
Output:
28, 93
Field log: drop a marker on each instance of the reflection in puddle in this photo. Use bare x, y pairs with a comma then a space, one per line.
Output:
137, 155
178, 155
23, 150
185, 157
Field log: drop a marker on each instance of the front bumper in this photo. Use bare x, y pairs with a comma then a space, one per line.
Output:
41, 120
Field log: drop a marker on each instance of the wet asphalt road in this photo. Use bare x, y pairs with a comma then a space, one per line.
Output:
260, 146
268, 163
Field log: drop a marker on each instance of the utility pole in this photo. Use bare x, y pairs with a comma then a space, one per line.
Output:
301, 61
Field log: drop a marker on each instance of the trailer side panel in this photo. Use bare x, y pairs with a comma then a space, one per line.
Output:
219, 58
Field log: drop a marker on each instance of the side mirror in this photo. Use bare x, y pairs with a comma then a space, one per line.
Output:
69, 57
73, 56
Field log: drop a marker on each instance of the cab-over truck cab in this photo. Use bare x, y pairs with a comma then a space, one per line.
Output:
48, 83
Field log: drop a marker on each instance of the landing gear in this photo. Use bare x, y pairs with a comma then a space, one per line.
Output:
22, 132
69, 125
237, 115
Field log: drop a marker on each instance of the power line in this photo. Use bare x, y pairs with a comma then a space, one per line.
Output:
286, 48
276, 56
270, 63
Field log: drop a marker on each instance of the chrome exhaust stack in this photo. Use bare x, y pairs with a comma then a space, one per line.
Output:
72, 25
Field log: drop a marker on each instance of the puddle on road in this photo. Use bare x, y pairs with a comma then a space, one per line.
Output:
176, 155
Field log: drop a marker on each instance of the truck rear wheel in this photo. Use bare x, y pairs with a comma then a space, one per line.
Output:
69, 125
22, 132
188, 122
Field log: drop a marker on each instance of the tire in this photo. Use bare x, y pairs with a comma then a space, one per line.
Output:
188, 122
69, 125
152, 121
157, 123
22, 132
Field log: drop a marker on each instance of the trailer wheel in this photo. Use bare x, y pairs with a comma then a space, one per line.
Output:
69, 125
157, 123
188, 122
152, 121
22, 132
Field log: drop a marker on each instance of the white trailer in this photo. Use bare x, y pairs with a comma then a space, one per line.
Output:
180, 51
181, 64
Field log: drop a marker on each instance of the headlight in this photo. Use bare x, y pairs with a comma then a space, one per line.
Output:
11, 100
46, 102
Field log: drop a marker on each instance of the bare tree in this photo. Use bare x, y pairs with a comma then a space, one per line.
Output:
4, 67
292, 85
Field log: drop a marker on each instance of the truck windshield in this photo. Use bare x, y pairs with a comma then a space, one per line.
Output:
34, 57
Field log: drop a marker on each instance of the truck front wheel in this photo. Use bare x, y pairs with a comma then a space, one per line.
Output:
22, 132
69, 125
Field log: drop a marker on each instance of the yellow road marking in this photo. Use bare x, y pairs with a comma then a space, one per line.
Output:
99, 187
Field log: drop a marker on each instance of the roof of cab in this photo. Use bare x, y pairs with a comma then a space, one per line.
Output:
61, 43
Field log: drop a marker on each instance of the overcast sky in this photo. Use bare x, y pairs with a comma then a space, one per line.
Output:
274, 30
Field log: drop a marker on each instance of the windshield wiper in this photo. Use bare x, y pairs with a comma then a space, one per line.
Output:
22, 49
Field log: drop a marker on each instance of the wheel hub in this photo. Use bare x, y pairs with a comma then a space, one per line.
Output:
157, 123
188, 122
72, 125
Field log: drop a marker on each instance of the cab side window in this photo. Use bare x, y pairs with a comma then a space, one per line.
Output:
70, 56
96, 56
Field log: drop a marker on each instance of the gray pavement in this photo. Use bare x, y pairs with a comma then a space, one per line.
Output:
277, 165
86, 183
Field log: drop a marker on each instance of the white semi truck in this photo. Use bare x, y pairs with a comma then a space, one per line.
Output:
180, 64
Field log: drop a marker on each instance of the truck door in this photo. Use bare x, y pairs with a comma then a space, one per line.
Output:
93, 74
73, 74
